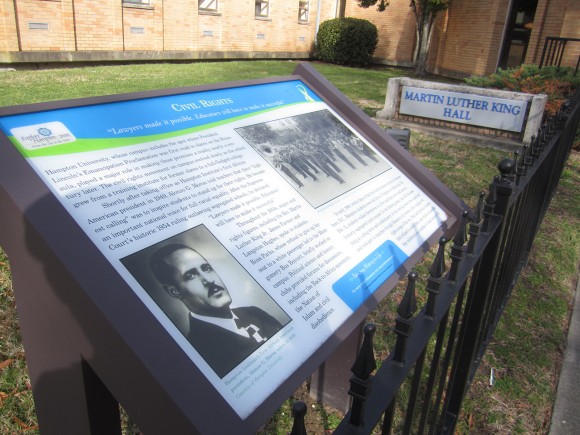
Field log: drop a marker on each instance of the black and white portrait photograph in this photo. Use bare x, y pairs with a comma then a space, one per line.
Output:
316, 153
221, 310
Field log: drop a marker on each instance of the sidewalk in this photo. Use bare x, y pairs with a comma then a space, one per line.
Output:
566, 415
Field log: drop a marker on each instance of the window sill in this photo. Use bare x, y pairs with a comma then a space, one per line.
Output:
263, 18
135, 6
214, 13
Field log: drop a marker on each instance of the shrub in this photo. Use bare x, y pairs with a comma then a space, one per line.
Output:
346, 41
556, 83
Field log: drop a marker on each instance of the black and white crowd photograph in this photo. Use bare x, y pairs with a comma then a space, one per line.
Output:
316, 153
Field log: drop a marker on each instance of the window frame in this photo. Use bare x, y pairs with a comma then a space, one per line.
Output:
303, 11
259, 10
208, 3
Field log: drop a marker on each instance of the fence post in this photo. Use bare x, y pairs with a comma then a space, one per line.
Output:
299, 409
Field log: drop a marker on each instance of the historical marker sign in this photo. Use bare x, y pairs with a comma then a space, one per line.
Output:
260, 199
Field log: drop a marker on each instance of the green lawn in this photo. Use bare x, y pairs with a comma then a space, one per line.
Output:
525, 355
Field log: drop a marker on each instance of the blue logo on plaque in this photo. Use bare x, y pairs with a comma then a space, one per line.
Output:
44, 131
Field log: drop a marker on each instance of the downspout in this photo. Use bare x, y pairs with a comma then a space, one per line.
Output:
338, 13
123, 24
504, 33
540, 28
74, 16
317, 20
17, 23
341, 8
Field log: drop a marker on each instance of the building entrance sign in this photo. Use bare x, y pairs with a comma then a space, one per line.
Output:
514, 117
480, 110
228, 236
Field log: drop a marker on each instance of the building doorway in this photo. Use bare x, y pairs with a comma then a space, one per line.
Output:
517, 36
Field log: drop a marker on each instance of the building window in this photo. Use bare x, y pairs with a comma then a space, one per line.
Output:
138, 2
303, 7
208, 5
262, 8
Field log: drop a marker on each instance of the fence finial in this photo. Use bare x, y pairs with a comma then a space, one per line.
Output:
404, 323
490, 202
299, 409
542, 139
537, 144
461, 234
438, 266
434, 281
458, 242
476, 224
492, 194
360, 381
365, 363
478, 214
525, 160
408, 305
506, 167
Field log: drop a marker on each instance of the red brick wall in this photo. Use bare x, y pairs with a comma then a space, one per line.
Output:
466, 40
51, 16
396, 26
180, 25
571, 29
143, 27
559, 18
8, 34
470, 40
98, 25
108, 25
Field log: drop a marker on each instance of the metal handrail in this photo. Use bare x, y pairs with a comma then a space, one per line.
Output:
553, 51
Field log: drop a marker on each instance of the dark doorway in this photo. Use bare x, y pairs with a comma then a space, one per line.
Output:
517, 36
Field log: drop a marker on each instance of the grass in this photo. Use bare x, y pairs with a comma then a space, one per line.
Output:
527, 350
526, 353
16, 404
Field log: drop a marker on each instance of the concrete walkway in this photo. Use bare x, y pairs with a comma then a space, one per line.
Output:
566, 415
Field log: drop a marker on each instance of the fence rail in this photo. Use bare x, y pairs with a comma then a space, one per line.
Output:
439, 349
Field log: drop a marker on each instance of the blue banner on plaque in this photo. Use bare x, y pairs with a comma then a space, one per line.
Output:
367, 276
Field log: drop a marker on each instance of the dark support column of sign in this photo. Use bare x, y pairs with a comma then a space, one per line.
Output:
328, 385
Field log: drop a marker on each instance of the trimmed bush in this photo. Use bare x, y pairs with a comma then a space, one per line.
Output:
346, 41
557, 84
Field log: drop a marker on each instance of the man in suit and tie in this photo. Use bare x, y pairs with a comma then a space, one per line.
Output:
222, 335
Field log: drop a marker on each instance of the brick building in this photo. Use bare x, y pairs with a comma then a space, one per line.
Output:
469, 38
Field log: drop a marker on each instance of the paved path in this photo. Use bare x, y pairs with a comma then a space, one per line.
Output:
566, 416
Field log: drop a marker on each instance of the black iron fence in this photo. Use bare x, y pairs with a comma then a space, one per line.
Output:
439, 349
553, 51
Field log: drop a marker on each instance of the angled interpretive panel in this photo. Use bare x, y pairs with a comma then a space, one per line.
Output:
239, 232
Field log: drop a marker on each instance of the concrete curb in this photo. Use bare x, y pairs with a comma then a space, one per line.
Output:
566, 414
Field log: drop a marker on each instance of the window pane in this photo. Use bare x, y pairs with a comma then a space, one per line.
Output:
262, 8
303, 7
208, 5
